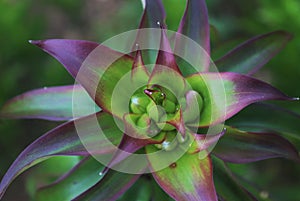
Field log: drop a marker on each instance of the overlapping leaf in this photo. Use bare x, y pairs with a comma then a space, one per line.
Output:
53, 103
225, 94
64, 140
189, 178
227, 186
251, 55
242, 147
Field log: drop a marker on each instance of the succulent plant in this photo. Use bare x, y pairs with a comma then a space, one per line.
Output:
158, 111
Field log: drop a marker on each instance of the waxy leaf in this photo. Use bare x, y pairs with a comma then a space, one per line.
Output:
64, 140
79, 179
243, 147
70, 53
133, 139
50, 103
117, 86
229, 93
153, 17
227, 185
269, 118
189, 178
194, 24
87, 62
111, 186
154, 14
165, 56
251, 55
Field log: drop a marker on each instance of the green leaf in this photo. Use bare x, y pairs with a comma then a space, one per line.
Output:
242, 147
227, 186
64, 140
83, 176
268, 118
49, 171
194, 24
116, 87
189, 178
110, 187
225, 94
251, 55
53, 103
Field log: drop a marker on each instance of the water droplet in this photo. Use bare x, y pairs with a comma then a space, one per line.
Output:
297, 98
264, 194
100, 173
158, 23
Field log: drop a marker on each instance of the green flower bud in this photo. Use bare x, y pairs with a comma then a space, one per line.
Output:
138, 103
169, 106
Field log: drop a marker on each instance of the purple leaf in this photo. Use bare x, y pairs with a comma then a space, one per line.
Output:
243, 147
194, 24
154, 13
80, 178
138, 66
235, 90
64, 140
189, 178
133, 139
88, 62
110, 187
251, 55
165, 56
70, 53
227, 185
267, 117
53, 103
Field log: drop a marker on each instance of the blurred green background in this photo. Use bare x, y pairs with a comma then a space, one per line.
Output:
25, 67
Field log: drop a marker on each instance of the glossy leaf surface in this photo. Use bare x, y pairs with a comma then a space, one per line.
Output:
53, 103
242, 147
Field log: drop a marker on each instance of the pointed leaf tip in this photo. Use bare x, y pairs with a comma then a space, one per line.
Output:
36, 42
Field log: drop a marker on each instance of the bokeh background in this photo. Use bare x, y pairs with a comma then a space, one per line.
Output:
24, 67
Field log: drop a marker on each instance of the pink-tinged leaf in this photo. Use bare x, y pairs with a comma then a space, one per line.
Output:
178, 122
194, 24
251, 55
50, 103
269, 118
88, 63
165, 56
70, 53
134, 138
64, 140
227, 186
154, 13
138, 66
189, 178
76, 181
243, 147
205, 142
110, 187
225, 94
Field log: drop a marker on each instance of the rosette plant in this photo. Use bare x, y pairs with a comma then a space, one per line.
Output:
168, 109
